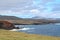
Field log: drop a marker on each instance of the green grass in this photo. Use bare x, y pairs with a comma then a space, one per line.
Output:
9, 35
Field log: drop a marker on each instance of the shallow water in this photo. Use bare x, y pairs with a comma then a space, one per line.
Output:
49, 29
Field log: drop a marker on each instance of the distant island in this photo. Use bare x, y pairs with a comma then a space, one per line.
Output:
29, 21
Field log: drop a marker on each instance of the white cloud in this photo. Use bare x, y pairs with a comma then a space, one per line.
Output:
35, 11
29, 7
8, 4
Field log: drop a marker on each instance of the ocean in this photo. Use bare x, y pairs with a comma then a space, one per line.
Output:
48, 29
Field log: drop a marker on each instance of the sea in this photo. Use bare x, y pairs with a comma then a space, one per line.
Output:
47, 29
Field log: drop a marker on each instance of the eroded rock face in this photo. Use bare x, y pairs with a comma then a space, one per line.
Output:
6, 25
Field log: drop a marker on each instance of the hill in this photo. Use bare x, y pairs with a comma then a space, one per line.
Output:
38, 17
34, 21
9, 18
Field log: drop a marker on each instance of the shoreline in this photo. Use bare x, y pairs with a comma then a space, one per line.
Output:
10, 35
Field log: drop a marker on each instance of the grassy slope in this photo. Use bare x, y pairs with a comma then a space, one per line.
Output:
9, 35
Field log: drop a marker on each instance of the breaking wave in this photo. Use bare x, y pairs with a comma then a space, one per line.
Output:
23, 29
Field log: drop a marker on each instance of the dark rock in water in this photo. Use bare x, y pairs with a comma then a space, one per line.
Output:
7, 25
17, 28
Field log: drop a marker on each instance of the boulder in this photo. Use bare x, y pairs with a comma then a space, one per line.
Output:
7, 25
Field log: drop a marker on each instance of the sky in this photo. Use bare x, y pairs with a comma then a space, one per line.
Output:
30, 8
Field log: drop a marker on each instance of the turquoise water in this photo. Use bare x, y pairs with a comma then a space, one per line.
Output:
49, 29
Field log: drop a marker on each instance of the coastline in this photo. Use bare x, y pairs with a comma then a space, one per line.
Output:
10, 35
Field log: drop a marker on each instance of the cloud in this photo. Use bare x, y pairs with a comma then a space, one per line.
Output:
15, 7
30, 8
10, 4
34, 11
56, 7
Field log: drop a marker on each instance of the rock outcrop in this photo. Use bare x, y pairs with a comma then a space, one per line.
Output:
7, 25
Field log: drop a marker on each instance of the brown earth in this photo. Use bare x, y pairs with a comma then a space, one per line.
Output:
6, 25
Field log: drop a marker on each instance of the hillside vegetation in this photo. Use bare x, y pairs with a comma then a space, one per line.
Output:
9, 35
32, 21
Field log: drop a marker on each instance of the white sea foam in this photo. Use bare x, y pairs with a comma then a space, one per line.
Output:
24, 29
14, 30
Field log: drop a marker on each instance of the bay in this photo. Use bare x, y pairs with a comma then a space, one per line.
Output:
48, 29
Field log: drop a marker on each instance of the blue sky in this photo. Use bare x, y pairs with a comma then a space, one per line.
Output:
30, 8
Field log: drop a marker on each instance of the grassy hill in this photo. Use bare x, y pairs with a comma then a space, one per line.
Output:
9, 18
9, 35
17, 20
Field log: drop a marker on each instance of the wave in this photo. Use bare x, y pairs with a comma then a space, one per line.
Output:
24, 29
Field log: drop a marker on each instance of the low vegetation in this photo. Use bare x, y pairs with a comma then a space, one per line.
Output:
10, 35
31, 22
